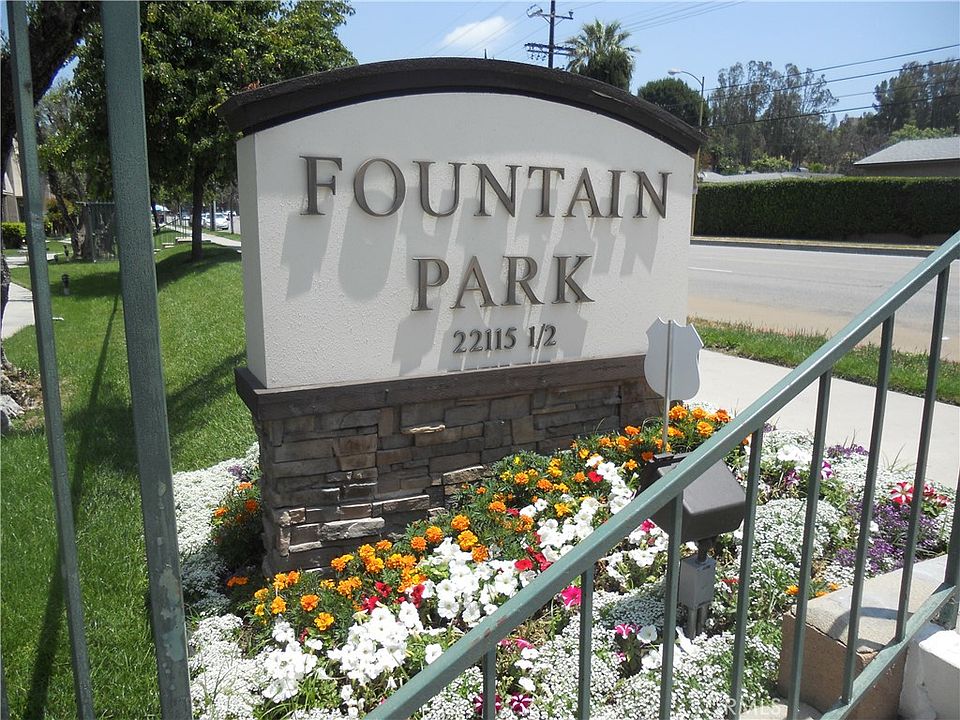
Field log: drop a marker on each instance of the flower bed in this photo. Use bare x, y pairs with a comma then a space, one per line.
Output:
313, 646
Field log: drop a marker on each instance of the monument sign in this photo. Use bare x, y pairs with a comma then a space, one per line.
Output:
444, 259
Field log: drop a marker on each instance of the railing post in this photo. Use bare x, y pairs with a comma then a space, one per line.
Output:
671, 590
586, 644
47, 355
138, 283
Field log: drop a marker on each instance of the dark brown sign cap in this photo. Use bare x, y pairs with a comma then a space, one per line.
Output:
282, 102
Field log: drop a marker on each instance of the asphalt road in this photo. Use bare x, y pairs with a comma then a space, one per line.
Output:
814, 290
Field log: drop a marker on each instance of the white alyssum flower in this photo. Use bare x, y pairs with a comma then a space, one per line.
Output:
223, 684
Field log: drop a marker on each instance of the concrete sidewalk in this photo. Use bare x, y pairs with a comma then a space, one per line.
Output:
734, 383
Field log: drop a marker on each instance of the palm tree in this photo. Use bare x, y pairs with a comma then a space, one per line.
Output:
600, 51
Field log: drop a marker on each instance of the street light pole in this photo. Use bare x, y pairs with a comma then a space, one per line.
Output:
696, 166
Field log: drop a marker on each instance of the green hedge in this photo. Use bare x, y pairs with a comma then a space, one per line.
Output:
14, 234
829, 209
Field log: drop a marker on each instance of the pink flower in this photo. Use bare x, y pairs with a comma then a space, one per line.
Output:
478, 703
902, 493
520, 704
647, 525
624, 630
570, 596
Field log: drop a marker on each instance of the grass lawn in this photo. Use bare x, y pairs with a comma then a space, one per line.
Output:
202, 340
908, 371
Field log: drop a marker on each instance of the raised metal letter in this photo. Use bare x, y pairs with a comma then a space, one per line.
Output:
523, 282
565, 279
585, 184
615, 194
312, 183
425, 188
545, 188
443, 272
644, 184
399, 187
510, 203
473, 271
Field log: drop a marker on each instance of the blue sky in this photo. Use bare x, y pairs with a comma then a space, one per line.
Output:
700, 37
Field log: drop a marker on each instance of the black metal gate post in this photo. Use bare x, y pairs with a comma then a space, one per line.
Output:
138, 284
47, 354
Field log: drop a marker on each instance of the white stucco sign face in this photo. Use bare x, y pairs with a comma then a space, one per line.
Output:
443, 231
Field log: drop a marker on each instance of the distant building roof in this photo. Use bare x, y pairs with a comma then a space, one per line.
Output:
755, 177
913, 151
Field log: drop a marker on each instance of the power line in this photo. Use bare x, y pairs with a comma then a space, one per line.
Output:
684, 14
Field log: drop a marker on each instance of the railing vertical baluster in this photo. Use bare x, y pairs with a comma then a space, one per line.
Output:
47, 356
746, 563
866, 513
489, 697
671, 590
929, 402
586, 644
809, 534
951, 576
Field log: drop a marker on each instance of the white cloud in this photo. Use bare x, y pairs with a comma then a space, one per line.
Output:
466, 36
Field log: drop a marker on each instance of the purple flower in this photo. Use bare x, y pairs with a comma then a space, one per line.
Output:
478, 703
624, 630
520, 704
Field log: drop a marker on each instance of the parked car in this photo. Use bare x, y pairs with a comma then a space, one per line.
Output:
222, 221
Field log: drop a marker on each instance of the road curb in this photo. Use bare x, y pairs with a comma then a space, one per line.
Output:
816, 245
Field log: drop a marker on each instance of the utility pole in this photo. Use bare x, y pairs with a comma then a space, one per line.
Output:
538, 50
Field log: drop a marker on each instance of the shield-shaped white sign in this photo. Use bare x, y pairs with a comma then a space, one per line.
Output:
685, 345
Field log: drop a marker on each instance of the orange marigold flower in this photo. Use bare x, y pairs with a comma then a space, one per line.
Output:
261, 594
524, 523
220, 512
605, 441
418, 543
631, 430
820, 593
395, 561
293, 577
698, 413
646, 456
278, 605
366, 550
244, 486
433, 535
323, 621
561, 509
384, 545
579, 477
792, 590
279, 581
309, 602
480, 553
722, 416
704, 428
544, 484
623, 442
408, 562
678, 412
251, 505
467, 540
373, 565
481, 491
339, 563
674, 431
497, 506
460, 522
833, 586
521, 478
236, 580
630, 464
346, 587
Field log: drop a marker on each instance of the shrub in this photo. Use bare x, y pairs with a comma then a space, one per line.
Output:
237, 523
14, 233
833, 208
768, 163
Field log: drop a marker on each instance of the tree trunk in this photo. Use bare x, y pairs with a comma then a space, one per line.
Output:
4, 296
57, 191
196, 222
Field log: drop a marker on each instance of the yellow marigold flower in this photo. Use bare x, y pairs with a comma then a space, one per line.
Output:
545, 485
251, 505
480, 553
279, 581
278, 605
630, 464
339, 563
433, 535
658, 443
517, 460
373, 565
384, 545
562, 509
705, 429
309, 602
460, 522
293, 577
554, 471
792, 590
328, 584
260, 610
395, 561
220, 512
632, 430
418, 543
466, 540
261, 594
833, 586
678, 412
244, 486
533, 473
323, 621
820, 593
497, 506
366, 550
561, 487
236, 580
505, 475
698, 413
521, 478
579, 477
583, 453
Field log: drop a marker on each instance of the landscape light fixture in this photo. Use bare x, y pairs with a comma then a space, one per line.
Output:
713, 504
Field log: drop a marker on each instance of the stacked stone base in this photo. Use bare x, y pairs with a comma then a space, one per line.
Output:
347, 464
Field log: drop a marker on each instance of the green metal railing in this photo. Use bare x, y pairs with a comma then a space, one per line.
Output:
480, 644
